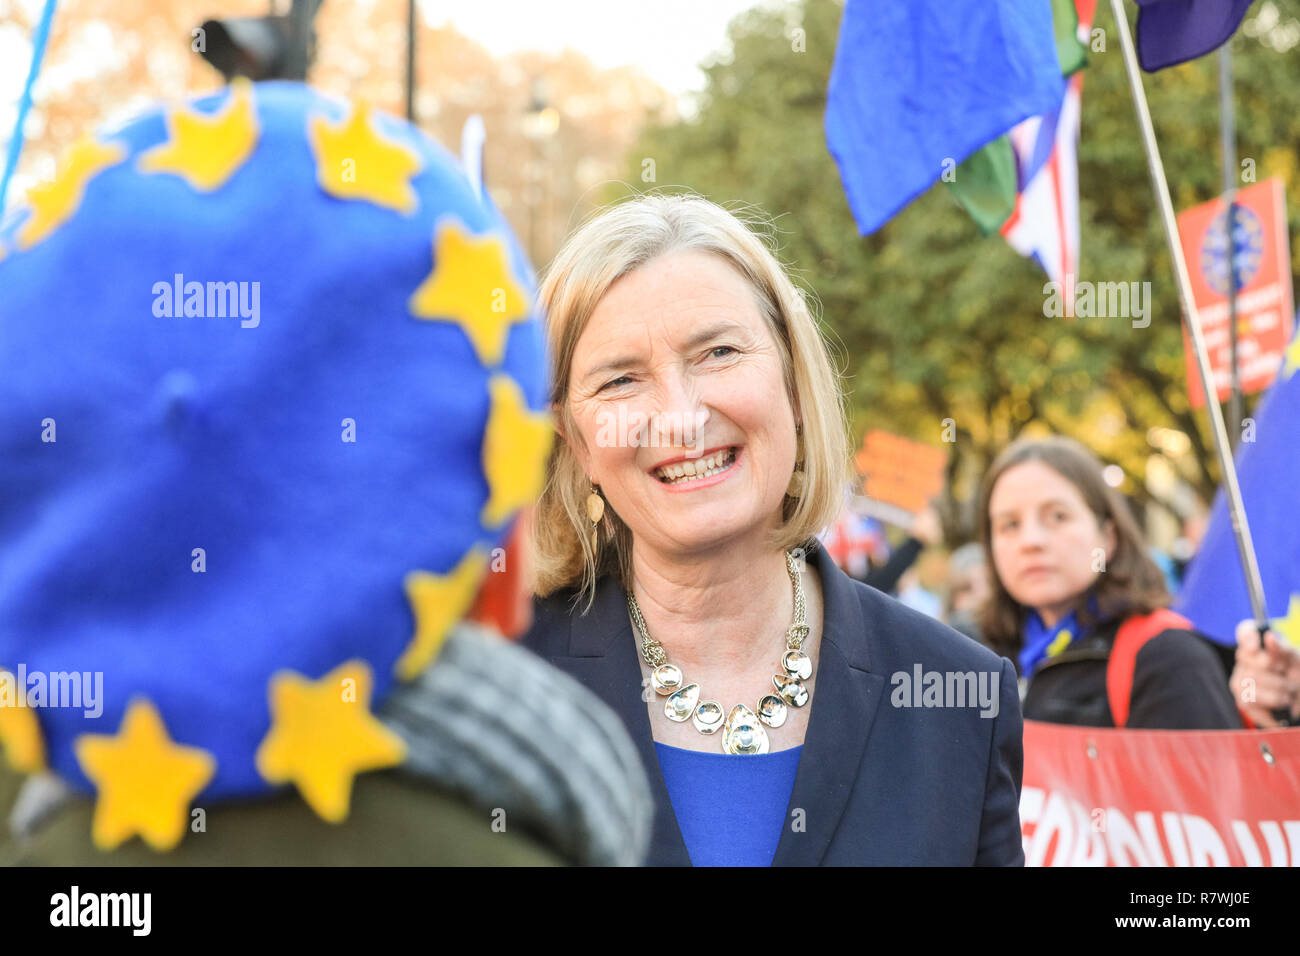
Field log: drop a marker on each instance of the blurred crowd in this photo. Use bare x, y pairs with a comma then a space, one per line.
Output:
1056, 568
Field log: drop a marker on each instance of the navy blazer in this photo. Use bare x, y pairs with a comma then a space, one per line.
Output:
883, 779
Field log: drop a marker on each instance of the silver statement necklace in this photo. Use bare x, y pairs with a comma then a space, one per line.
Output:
742, 731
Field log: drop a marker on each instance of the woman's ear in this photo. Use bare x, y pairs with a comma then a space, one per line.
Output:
577, 448
1110, 538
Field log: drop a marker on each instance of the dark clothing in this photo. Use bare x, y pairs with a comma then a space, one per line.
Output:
1178, 684
885, 578
883, 779
396, 820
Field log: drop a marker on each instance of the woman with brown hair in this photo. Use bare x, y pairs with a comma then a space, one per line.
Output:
1080, 606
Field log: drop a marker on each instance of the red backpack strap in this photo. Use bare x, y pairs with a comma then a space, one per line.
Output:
1132, 635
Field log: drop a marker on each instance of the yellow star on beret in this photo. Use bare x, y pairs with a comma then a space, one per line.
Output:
322, 735
471, 285
145, 781
20, 731
206, 149
515, 446
438, 601
53, 203
353, 161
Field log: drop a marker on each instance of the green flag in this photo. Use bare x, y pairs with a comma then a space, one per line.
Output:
985, 183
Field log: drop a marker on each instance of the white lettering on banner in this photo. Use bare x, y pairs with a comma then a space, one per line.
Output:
1249, 302
1059, 831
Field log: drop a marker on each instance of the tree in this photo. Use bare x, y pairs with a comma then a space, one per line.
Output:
105, 62
934, 322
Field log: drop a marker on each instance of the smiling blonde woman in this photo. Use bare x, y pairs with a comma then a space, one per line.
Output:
702, 447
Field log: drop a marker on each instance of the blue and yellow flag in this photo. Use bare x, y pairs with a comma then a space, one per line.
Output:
1214, 591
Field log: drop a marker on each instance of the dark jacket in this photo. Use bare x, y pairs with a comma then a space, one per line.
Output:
1178, 684
396, 819
879, 782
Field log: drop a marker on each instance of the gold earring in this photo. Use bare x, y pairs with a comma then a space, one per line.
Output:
595, 511
795, 488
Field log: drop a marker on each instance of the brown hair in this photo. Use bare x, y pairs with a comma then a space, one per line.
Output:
1131, 583
614, 242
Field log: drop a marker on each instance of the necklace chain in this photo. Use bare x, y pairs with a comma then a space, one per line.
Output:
744, 733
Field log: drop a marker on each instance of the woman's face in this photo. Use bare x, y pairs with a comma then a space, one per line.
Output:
678, 368
1047, 545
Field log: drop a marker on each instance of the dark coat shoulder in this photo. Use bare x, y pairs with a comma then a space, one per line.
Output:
1178, 684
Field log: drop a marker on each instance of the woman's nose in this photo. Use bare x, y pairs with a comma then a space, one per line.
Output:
680, 415
1033, 535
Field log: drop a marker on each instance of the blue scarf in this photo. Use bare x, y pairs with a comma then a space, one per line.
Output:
1043, 642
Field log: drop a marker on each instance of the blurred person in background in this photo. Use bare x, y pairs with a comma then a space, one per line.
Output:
1080, 606
855, 542
1186, 544
968, 589
923, 585
271, 531
1266, 679
926, 531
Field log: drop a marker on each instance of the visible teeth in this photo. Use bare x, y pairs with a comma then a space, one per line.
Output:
701, 468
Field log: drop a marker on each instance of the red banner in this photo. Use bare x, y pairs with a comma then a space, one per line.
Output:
1263, 267
1104, 797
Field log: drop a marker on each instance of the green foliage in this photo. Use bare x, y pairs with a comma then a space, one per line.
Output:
936, 322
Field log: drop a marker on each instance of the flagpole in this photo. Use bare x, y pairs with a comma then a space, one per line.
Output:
1228, 135
1236, 508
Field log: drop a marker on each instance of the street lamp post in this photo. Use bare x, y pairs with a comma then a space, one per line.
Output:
540, 123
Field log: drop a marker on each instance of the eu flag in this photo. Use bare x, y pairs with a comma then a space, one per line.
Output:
1214, 592
1175, 31
918, 86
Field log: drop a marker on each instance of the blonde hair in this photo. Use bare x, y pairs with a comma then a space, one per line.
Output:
614, 242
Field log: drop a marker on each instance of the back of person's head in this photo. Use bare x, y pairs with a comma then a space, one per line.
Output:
272, 394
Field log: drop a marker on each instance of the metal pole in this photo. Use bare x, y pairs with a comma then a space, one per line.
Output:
298, 56
1228, 130
1236, 509
410, 60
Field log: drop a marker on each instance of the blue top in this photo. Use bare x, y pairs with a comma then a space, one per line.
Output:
730, 809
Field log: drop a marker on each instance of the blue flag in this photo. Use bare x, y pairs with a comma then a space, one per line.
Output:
1214, 592
1174, 31
918, 86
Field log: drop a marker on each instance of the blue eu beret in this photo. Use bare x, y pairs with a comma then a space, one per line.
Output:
271, 392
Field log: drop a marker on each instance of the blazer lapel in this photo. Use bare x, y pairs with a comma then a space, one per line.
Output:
845, 699
603, 656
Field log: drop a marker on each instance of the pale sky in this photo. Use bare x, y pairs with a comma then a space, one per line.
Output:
666, 38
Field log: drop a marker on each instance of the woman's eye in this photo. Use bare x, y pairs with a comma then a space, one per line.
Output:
720, 348
621, 378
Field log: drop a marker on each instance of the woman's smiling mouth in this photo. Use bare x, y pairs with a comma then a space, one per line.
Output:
701, 472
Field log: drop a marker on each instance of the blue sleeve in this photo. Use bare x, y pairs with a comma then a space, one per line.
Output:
1000, 843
